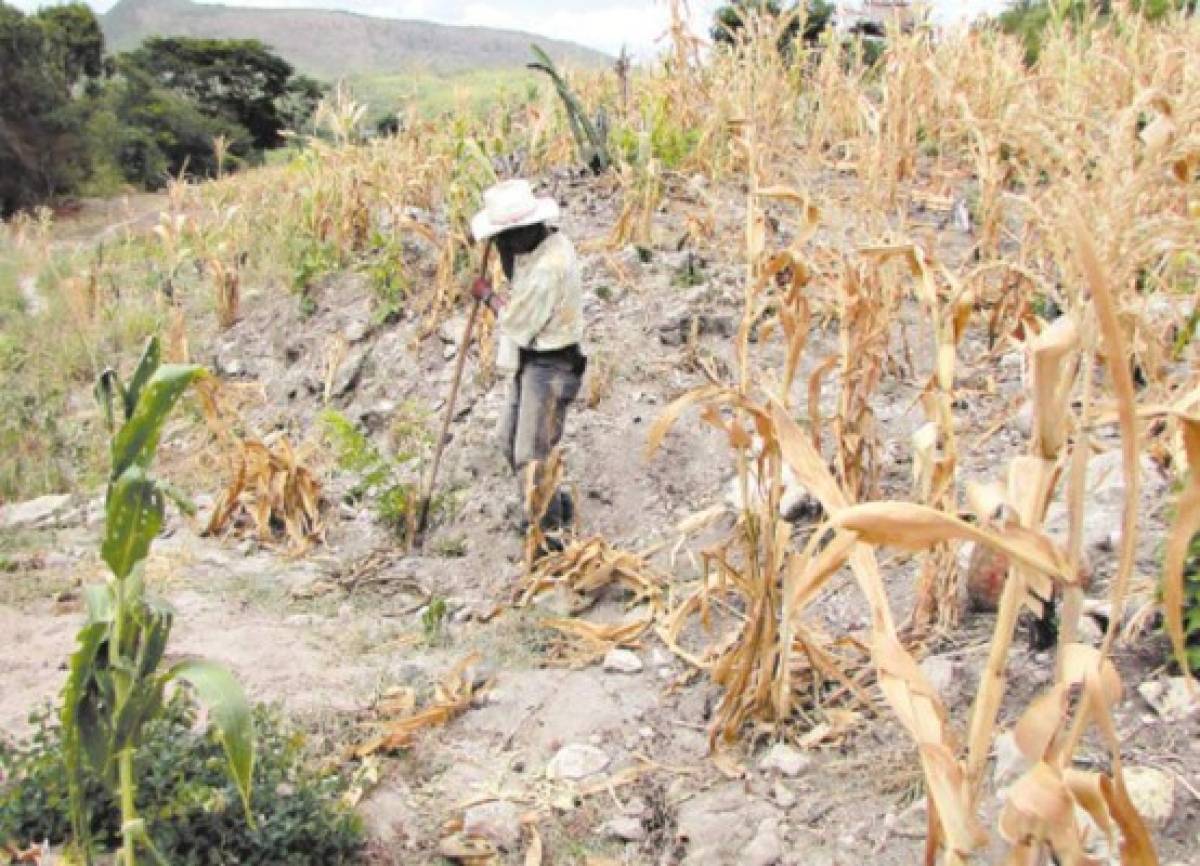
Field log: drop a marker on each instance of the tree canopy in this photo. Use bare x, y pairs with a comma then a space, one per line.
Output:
730, 18
73, 118
238, 79
40, 152
1029, 19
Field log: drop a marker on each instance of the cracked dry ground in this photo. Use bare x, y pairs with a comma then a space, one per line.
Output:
301, 633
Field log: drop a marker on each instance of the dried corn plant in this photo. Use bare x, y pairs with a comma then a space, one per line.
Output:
767, 654
1040, 812
273, 495
227, 288
865, 307
585, 567
399, 720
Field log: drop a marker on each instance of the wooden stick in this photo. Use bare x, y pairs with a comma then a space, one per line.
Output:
459, 362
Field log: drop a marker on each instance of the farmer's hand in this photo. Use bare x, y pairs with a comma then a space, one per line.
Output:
482, 289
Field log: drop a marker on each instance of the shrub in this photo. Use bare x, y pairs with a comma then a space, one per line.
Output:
192, 810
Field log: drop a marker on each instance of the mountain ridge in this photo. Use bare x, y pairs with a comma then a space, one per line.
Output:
350, 43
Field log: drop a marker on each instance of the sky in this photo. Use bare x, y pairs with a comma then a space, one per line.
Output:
603, 24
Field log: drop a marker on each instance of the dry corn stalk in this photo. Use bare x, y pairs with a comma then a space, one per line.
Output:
586, 567
273, 494
452, 698
542, 481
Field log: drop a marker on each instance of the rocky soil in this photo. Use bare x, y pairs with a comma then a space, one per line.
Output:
612, 758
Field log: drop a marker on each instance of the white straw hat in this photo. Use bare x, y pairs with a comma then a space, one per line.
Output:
510, 205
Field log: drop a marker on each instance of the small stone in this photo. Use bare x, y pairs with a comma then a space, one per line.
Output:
1173, 699
448, 352
783, 795
1089, 631
1152, 792
622, 661
34, 513
1010, 762
451, 331
576, 761
357, 331
941, 672
1012, 365
765, 849
636, 806
786, 760
498, 822
626, 828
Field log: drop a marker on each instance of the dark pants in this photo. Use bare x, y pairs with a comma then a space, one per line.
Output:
534, 417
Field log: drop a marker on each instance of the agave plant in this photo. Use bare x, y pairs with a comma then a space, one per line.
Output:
115, 685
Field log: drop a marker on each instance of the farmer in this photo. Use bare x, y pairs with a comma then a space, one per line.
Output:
540, 324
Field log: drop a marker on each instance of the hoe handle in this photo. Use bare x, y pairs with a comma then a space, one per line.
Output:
423, 516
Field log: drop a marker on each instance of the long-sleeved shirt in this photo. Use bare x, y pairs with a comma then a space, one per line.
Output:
545, 309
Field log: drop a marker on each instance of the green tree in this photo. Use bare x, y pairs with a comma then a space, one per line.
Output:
1028, 20
237, 79
729, 19
75, 40
146, 133
41, 150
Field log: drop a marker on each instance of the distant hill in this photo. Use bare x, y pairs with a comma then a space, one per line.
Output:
329, 45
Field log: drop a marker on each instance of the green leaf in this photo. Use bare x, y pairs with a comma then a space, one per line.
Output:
147, 366
154, 631
227, 706
99, 601
134, 517
142, 704
137, 441
79, 723
108, 386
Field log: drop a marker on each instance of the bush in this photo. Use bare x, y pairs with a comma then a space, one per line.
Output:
192, 810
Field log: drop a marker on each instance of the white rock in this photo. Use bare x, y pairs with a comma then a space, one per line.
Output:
626, 828
793, 505
1174, 700
576, 761
941, 672
1089, 631
498, 822
787, 760
1012, 365
765, 849
451, 331
357, 331
1152, 792
622, 661
1010, 762
34, 513
783, 795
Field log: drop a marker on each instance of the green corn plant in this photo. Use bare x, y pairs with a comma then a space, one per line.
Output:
114, 685
591, 137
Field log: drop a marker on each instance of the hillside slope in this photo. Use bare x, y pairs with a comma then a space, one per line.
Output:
348, 44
